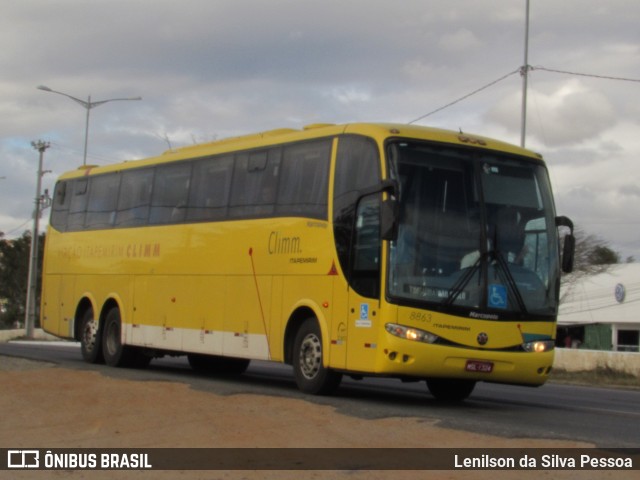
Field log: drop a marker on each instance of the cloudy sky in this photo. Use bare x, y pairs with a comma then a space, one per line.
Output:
209, 69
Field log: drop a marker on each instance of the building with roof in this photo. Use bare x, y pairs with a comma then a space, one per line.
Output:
602, 311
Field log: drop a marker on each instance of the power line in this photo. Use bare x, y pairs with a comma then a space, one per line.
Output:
520, 70
466, 96
11, 232
605, 77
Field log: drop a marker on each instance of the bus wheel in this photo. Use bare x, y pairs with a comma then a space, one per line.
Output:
90, 338
115, 353
310, 374
218, 365
450, 390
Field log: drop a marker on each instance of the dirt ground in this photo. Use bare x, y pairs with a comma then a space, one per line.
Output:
45, 406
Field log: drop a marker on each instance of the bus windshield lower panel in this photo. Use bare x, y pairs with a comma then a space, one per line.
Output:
476, 231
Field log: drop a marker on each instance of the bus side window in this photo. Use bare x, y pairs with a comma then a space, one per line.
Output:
357, 168
103, 199
304, 179
135, 197
77, 205
365, 269
210, 189
170, 193
60, 206
255, 179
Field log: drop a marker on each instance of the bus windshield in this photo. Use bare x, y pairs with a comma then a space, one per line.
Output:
476, 231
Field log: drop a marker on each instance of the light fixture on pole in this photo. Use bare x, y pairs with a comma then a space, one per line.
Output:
88, 105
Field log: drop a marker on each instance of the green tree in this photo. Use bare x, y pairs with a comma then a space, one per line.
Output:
14, 274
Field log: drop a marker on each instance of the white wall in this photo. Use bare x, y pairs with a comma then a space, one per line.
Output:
576, 360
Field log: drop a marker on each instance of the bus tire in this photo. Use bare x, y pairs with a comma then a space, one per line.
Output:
90, 338
115, 353
450, 389
310, 374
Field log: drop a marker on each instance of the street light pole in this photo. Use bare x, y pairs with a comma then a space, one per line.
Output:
88, 105
524, 71
32, 282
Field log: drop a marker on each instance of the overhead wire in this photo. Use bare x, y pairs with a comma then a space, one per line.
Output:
520, 70
16, 229
604, 77
466, 96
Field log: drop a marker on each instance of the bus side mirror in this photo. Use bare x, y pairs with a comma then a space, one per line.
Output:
568, 253
389, 211
389, 219
569, 248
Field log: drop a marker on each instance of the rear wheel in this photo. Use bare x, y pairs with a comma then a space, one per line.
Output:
449, 389
116, 354
310, 373
90, 338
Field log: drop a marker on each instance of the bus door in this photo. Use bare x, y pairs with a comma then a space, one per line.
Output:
364, 286
357, 236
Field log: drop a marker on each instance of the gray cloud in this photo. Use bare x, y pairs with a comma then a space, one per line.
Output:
210, 69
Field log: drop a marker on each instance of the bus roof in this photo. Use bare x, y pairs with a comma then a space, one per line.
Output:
378, 131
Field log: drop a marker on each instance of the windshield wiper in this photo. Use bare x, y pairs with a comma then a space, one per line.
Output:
463, 281
510, 280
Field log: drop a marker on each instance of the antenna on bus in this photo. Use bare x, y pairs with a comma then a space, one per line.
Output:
165, 137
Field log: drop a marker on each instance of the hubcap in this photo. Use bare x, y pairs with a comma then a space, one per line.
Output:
310, 356
89, 335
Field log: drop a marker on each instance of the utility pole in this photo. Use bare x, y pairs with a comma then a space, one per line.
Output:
32, 282
524, 71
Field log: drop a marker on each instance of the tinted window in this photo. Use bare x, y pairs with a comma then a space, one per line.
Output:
281, 181
357, 168
60, 205
170, 193
103, 199
304, 179
135, 197
255, 180
78, 204
210, 189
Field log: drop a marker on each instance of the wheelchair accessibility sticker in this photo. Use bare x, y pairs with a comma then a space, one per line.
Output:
497, 296
364, 320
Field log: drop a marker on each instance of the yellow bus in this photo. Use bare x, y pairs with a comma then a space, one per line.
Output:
359, 249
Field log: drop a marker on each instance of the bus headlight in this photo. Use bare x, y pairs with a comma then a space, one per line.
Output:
410, 333
538, 346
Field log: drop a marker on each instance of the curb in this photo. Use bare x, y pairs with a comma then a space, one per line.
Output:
38, 334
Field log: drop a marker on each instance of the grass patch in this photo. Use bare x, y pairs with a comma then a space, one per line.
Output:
598, 377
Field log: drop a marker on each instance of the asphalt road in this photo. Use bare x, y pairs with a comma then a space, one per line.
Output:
605, 417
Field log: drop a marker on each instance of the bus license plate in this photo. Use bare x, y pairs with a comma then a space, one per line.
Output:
478, 366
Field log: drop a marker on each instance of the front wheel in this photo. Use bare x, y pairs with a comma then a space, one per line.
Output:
449, 389
310, 373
